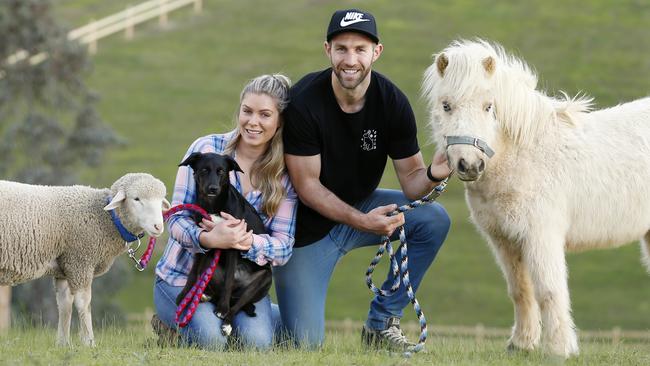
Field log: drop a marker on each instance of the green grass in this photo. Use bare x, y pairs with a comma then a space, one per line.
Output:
135, 346
169, 86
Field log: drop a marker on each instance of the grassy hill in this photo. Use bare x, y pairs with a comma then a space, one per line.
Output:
169, 86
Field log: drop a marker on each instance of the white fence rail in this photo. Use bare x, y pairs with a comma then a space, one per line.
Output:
125, 20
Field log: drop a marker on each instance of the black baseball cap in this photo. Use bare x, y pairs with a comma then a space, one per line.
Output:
352, 20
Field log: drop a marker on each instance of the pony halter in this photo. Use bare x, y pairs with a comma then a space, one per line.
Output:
468, 140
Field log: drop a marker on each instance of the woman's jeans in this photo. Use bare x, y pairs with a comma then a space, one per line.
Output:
204, 330
301, 284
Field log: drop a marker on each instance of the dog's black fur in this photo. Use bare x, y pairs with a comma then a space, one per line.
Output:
237, 282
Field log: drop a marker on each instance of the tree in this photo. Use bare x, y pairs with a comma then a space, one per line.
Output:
49, 127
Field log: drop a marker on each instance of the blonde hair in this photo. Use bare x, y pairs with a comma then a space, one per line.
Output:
266, 173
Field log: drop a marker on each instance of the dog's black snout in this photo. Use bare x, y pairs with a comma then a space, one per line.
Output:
213, 189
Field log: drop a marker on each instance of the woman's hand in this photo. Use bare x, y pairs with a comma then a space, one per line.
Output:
229, 233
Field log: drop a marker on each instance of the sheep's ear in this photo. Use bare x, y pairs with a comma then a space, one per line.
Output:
191, 160
119, 197
166, 205
232, 164
442, 62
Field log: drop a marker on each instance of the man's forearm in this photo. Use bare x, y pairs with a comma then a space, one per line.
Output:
325, 202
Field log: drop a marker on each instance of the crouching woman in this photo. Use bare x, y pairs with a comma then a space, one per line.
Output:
256, 145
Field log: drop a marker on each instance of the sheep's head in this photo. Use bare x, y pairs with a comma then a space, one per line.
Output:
139, 200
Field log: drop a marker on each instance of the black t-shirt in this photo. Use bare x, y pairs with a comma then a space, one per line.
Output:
353, 147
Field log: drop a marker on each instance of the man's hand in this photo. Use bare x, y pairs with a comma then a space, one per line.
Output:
440, 165
377, 222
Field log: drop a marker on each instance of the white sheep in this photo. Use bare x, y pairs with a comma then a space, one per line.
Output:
66, 232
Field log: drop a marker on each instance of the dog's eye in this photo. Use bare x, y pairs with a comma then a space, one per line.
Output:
446, 106
488, 107
136, 199
220, 171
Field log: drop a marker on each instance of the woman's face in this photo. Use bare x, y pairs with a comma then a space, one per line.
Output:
259, 119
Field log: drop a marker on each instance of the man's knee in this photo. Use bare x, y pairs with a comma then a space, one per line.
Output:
429, 223
306, 332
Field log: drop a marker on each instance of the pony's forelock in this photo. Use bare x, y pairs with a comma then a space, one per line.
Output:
519, 106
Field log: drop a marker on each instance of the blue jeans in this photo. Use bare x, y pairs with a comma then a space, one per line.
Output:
204, 330
301, 284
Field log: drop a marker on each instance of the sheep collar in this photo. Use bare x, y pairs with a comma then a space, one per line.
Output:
124, 232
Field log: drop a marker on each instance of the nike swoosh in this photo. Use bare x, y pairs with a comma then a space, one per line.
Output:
345, 23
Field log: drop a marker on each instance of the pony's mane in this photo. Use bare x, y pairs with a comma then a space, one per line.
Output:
522, 111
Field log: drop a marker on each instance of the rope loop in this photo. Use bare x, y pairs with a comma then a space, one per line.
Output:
402, 268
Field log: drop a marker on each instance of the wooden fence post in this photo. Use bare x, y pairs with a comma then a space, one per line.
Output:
128, 31
198, 6
479, 332
162, 18
5, 308
92, 45
616, 335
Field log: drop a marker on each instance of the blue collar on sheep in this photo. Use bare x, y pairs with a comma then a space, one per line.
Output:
126, 234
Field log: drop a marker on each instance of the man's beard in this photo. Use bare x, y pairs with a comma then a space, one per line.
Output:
351, 84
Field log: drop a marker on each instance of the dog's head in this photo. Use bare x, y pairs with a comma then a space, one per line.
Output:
211, 172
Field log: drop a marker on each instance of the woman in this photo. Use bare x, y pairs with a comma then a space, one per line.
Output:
256, 145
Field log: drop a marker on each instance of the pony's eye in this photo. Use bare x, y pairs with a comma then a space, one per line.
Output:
446, 107
488, 107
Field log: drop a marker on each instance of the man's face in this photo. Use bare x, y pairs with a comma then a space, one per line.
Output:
352, 55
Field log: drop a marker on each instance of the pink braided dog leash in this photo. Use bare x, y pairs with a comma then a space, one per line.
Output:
193, 297
146, 256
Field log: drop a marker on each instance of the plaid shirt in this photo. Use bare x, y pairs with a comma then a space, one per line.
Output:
274, 247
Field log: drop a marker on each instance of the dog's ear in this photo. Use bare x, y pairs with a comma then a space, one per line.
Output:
232, 164
191, 160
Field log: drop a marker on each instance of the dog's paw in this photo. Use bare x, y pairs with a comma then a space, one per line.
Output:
249, 310
226, 329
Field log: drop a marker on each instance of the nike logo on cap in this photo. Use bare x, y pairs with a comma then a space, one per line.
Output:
352, 18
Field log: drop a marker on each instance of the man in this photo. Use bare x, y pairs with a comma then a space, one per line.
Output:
341, 126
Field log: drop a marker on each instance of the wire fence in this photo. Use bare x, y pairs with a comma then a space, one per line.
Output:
479, 332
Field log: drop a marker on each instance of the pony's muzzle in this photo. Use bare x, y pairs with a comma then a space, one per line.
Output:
470, 171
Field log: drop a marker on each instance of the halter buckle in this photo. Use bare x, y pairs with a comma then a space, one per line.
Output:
476, 144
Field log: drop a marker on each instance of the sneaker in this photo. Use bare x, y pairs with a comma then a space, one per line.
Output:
391, 338
166, 336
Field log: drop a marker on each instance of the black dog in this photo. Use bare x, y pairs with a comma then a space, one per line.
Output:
237, 282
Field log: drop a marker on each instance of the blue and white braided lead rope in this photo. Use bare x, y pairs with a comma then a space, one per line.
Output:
403, 267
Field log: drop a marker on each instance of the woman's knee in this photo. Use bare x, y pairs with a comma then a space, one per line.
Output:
204, 329
258, 338
204, 337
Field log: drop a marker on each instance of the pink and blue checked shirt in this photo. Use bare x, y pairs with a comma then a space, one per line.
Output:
274, 247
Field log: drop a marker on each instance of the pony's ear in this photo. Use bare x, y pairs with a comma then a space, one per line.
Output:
191, 160
232, 164
489, 64
442, 63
